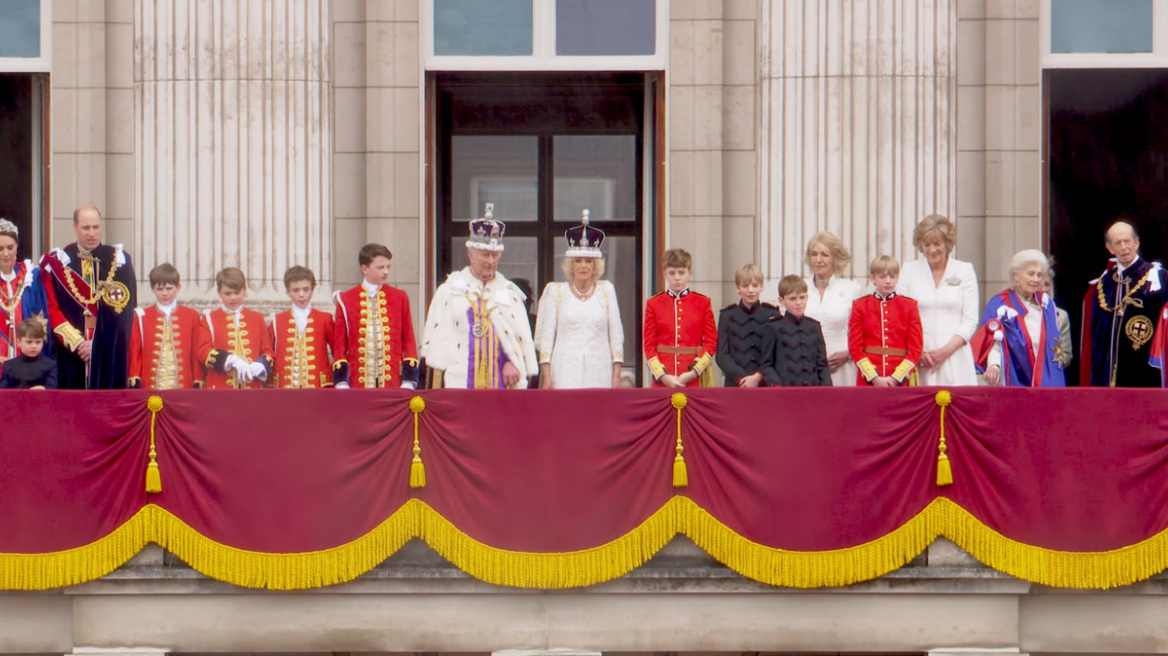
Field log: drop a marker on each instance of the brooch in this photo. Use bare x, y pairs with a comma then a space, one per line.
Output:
953, 281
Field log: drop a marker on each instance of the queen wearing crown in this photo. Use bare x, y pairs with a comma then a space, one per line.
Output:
578, 330
477, 333
22, 294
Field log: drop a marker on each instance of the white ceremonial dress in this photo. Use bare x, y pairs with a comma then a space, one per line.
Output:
832, 312
580, 339
948, 309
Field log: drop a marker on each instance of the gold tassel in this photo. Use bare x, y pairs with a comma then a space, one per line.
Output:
153, 475
680, 474
944, 470
417, 468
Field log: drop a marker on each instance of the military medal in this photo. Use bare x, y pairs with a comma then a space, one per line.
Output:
1139, 330
115, 294
477, 329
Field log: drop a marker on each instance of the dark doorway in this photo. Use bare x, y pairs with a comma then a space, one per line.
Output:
542, 147
17, 138
1108, 158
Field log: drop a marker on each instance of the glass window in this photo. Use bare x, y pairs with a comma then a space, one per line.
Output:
475, 27
20, 28
499, 170
1101, 26
596, 173
606, 27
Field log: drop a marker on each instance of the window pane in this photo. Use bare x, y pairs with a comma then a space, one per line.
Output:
596, 173
475, 27
1103, 26
519, 263
605, 27
499, 170
20, 28
620, 267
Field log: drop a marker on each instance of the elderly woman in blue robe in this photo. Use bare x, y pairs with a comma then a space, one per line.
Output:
1018, 343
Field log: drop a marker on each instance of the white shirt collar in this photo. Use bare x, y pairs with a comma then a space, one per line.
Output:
370, 288
1121, 268
8, 277
235, 312
167, 310
300, 315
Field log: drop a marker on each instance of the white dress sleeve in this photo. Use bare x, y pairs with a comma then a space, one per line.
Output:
616, 331
969, 304
545, 322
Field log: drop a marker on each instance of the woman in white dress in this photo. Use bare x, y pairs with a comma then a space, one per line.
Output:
945, 290
829, 301
578, 328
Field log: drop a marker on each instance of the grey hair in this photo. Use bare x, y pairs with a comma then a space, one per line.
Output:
1028, 256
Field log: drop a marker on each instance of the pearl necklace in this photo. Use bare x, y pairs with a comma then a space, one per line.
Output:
583, 296
821, 283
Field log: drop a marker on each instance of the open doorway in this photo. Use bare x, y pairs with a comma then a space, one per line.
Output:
23, 178
1108, 158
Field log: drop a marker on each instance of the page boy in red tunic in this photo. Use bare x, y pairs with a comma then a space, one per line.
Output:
884, 333
680, 336
301, 336
164, 338
233, 341
374, 338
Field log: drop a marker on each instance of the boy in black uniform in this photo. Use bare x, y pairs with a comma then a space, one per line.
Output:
742, 327
30, 369
794, 354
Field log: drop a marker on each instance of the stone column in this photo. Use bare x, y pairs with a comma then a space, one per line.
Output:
857, 125
233, 140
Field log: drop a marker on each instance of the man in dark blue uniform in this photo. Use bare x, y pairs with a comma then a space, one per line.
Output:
92, 294
1120, 314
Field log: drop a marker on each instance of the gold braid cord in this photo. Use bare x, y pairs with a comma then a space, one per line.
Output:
417, 467
1123, 301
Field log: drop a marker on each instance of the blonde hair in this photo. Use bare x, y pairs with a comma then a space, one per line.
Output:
938, 224
597, 271
792, 284
232, 278
839, 253
677, 258
746, 274
884, 264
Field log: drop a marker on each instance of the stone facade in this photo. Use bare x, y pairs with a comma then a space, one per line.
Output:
759, 154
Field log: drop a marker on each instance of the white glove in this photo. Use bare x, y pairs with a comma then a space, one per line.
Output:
342, 385
229, 363
258, 371
409, 384
242, 370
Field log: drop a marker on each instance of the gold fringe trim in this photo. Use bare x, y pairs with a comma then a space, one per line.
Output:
283, 571
778, 567
58, 569
553, 570
806, 569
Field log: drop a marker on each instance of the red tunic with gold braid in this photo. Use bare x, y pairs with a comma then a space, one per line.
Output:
680, 335
885, 338
302, 358
162, 349
243, 335
373, 341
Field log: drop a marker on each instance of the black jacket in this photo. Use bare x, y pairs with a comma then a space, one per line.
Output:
795, 354
741, 332
23, 372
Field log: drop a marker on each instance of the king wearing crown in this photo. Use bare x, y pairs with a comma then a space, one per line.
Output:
477, 333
